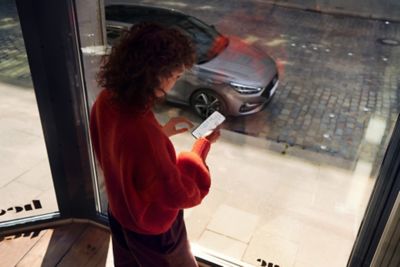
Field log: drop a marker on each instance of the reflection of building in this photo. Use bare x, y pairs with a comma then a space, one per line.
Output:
50, 33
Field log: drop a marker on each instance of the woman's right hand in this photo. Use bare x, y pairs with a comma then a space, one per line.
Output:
213, 136
170, 128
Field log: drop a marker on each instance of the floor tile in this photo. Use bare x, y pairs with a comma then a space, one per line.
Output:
271, 248
17, 194
317, 245
222, 244
233, 223
48, 200
197, 218
20, 153
39, 177
281, 224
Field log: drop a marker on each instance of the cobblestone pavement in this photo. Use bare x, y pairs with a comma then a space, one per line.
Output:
377, 9
334, 74
14, 66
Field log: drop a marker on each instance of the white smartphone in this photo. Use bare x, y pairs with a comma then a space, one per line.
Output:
209, 125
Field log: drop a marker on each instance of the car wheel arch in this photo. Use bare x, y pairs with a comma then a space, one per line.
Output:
209, 92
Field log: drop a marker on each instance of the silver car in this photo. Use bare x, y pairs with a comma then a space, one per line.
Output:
230, 76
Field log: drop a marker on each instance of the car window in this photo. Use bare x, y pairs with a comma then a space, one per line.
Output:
113, 34
121, 13
208, 42
204, 37
114, 12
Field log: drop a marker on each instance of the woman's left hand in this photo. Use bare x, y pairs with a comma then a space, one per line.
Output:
170, 128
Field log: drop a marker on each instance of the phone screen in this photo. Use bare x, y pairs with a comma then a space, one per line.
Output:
209, 125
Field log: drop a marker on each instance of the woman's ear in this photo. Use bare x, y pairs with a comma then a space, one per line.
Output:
160, 93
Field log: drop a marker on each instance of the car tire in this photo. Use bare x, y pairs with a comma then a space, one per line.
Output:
204, 102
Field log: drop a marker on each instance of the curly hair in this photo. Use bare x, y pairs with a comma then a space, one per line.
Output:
144, 54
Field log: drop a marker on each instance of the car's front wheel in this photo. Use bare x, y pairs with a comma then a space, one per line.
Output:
205, 102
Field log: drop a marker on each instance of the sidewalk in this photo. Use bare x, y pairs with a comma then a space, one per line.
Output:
24, 165
369, 9
280, 207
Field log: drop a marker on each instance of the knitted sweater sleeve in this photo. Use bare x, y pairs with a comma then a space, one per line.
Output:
167, 180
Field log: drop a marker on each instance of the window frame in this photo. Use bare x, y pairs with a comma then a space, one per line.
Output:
51, 37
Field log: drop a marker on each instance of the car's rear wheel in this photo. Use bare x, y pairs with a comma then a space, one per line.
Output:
205, 102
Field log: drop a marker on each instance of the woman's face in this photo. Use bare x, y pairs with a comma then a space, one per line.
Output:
167, 83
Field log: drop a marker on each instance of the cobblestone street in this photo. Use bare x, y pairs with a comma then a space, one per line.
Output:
336, 77
14, 66
335, 74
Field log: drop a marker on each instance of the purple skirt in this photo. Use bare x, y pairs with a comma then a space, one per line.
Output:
138, 250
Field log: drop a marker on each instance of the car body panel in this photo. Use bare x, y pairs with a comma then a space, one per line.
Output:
237, 62
243, 64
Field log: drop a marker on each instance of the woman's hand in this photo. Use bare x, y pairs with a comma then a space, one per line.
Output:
170, 128
213, 136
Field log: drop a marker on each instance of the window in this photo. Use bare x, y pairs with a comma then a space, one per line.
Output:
311, 110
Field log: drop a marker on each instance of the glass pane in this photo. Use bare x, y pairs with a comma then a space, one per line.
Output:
311, 100
26, 186
92, 36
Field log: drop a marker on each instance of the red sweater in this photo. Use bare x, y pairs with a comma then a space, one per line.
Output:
146, 183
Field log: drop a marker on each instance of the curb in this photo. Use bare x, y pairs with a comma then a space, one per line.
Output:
332, 11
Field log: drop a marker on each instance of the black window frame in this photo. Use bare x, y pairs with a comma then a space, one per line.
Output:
51, 35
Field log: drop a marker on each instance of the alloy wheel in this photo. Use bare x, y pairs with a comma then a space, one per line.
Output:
206, 103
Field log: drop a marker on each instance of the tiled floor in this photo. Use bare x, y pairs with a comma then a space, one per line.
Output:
223, 244
280, 208
263, 204
25, 171
234, 223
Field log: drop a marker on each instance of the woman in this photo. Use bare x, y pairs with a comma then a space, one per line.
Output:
147, 185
